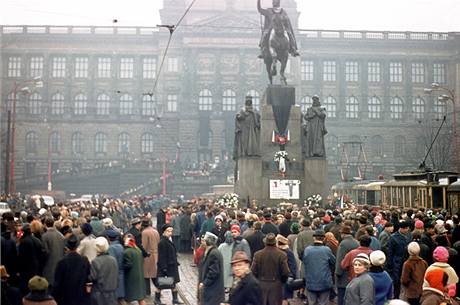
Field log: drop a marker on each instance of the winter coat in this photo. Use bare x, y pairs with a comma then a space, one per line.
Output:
9, 253
384, 238
226, 251
98, 227
31, 258
360, 291
347, 262
38, 298
453, 278
396, 255
241, 244
270, 227
341, 275
104, 276
72, 274
285, 228
186, 228
212, 276
432, 296
167, 259
161, 220
133, 263
304, 239
246, 292
318, 262
220, 233
412, 276
256, 242
53, 242
383, 287
150, 241
116, 250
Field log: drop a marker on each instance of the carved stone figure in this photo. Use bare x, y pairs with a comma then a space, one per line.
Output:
314, 130
247, 132
277, 39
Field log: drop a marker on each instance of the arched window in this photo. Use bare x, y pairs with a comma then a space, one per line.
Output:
123, 143
31, 143
55, 142
255, 98
148, 105
35, 103
377, 146
331, 106
126, 104
103, 104
305, 102
396, 108
100, 143
80, 105
439, 109
400, 146
147, 143
77, 143
229, 100
352, 108
57, 104
374, 108
418, 107
205, 100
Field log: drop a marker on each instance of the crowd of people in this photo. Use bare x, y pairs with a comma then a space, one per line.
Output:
113, 251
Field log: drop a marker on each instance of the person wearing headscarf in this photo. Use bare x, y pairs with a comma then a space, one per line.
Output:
331, 242
434, 293
226, 249
103, 275
441, 256
133, 263
361, 290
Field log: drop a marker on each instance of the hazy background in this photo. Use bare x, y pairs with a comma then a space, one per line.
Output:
390, 15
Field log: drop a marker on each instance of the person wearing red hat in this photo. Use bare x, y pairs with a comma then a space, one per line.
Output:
441, 256
239, 243
434, 292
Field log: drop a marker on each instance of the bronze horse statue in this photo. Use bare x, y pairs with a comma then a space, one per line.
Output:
277, 50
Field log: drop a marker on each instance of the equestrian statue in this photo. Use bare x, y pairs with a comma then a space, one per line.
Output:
277, 41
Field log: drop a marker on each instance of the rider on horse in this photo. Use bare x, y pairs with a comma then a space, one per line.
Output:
269, 15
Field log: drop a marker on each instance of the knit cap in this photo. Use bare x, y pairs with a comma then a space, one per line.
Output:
413, 248
362, 258
440, 254
419, 224
377, 258
434, 278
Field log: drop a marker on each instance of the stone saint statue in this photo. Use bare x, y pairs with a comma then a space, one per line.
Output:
247, 132
314, 130
270, 14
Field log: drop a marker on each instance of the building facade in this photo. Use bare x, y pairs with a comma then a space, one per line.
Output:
105, 100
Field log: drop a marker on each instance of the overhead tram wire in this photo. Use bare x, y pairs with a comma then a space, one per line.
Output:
172, 29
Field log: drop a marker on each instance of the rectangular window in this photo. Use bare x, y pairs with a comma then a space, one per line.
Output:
396, 72
418, 73
172, 103
58, 67
351, 71
149, 68
439, 73
14, 66
329, 71
81, 67
307, 70
373, 72
36, 66
126, 68
104, 67
173, 64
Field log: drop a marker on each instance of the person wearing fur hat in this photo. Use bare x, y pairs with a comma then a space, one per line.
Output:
38, 295
413, 272
382, 280
211, 288
441, 256
103, 275
360, 291
434, 293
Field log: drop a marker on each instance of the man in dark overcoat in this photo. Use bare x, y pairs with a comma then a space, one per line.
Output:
246, 290
270, 267
211, 273
71, 279
53, 241
256, 239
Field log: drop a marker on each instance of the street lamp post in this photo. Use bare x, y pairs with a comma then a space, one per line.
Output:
17, 87
449, 95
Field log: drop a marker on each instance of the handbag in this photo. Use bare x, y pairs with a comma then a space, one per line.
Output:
165, 282
295, 284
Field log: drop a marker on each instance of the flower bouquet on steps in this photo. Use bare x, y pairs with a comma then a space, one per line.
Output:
281, 157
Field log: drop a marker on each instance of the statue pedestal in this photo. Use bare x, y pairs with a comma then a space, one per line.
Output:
249, 183
316, 177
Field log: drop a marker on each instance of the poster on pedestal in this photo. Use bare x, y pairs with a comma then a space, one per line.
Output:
284, 189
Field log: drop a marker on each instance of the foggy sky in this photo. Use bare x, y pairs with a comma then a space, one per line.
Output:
384, 15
